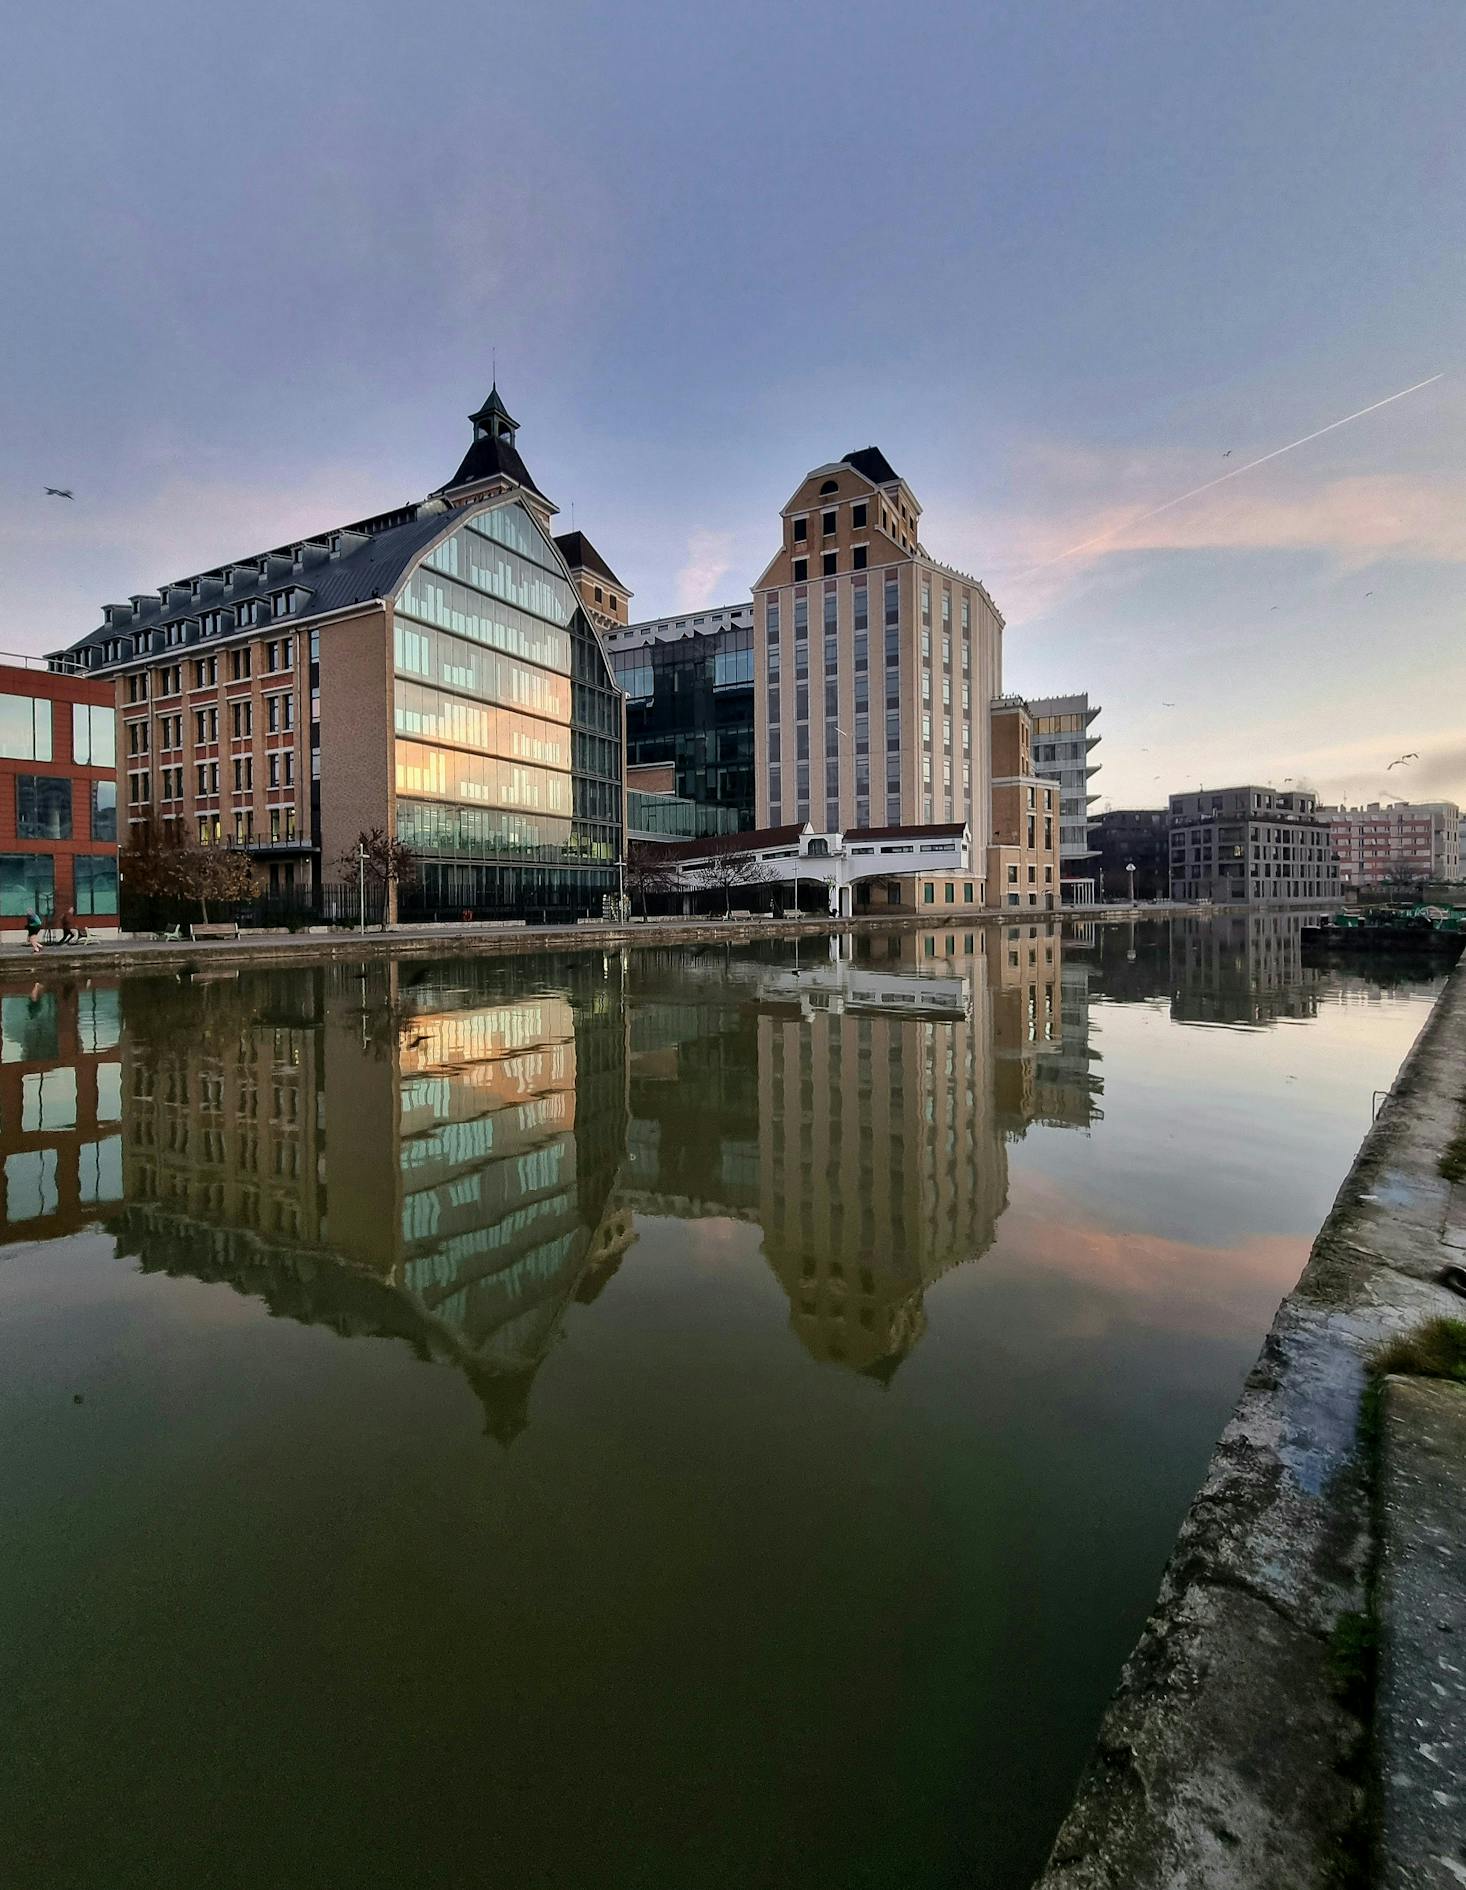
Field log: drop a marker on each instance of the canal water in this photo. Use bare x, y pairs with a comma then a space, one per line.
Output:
709, 1417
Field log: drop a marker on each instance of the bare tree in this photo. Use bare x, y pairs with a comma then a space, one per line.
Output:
727, 868
159, 864
650, 869
386, 861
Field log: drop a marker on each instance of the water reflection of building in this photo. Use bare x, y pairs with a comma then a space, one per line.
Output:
398, 1149
1242, 968
60, 1106
880, 1160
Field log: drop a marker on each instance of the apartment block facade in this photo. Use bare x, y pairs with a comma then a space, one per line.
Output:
1253, 846
1064, 745
1401, 841
873, 664
58, 798
433, 671
1023, 859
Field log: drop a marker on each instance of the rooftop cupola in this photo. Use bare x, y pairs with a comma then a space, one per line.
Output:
493, 420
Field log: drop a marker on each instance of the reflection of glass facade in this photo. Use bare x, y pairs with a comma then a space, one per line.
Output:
507, 750
690, 704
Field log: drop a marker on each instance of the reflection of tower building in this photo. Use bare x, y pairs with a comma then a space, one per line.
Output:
880, 1161
61, 1103
1239, 967
413, 1158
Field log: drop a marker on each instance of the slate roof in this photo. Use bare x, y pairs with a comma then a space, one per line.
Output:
948, 830
334, 583
872, 464
757, 840
580, 554
485, 458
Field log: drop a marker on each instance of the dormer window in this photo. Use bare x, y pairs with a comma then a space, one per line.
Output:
830, 485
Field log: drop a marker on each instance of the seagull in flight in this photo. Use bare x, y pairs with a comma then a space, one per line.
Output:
1168, 705
1400, 760
1369, 593
1227, 454
59, 492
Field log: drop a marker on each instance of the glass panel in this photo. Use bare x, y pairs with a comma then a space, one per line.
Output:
25, 728
96, 884
42, 807
27, 881
104, 810
93, 735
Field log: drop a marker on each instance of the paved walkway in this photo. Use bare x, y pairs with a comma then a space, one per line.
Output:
1420, 1734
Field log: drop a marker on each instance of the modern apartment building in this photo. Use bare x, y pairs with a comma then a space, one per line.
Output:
689, 706
433, 671
1400, 841
1251, 845
873, 664
1062, 746
58, 797
1137, 837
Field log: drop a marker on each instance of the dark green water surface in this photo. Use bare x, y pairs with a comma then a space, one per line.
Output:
695, 1418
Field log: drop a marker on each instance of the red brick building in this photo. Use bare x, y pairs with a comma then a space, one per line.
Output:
58, 797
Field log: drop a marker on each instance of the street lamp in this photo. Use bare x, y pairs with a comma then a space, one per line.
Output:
1130, 869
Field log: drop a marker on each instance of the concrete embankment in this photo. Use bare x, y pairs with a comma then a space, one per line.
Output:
1242, 1750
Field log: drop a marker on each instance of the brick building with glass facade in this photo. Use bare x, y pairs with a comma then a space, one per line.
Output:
432, 671
58, 798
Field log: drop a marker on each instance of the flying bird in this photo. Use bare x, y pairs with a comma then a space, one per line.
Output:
1227, 454
1400, 760
1168, 705
59, 492
1369, 593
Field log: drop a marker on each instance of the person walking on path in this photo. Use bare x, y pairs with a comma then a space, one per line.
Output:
69, 932
33, 931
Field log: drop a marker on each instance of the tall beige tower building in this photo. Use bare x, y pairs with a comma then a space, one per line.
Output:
874, 665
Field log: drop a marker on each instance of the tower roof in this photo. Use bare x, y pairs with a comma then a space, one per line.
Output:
494, 408
581, 555
873, 464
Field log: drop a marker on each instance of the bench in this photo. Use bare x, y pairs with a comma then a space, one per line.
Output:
229, 930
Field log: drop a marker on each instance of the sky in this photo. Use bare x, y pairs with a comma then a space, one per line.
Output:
1056, 260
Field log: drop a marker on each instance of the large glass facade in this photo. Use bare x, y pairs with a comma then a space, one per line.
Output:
508, 728
690, 705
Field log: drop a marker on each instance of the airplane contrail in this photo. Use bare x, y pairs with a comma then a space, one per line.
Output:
1235, 473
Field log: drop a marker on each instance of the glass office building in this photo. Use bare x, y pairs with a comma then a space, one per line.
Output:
689, 703
507, 727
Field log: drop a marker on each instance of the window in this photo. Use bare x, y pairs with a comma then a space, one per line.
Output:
827, 564
801, 530
801, 570
42, 807
243, 713
239, 665
27, 883
951, 893
25, 728
827, 524
857, 516
96, 884
93, 736
967, 892
858, 558
104, 810
928, 893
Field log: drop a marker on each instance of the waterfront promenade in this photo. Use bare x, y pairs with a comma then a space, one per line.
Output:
1294, 1713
